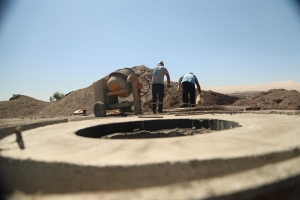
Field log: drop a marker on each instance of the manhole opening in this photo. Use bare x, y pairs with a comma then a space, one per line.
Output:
161, 128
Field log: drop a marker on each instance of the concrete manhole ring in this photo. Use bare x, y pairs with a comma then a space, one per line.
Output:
57, 154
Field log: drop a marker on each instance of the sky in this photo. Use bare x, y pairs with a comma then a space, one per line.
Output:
49, 46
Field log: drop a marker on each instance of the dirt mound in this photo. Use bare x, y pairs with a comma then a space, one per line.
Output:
212, 98
82, 98
276, 99
21, 106
24, 106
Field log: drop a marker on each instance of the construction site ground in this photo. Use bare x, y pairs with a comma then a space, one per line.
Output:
258, 160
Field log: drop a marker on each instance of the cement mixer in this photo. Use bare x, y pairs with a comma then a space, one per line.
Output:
120, 83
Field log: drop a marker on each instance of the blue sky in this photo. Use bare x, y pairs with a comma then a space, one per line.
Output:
65, 45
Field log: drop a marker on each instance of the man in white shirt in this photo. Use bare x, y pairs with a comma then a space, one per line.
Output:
158, 89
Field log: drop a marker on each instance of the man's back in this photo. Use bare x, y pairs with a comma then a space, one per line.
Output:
158, 74
189, 78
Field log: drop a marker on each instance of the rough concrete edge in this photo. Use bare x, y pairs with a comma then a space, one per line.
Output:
258, 183
10, 130
16, 174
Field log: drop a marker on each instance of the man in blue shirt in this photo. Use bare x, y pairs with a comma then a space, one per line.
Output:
188, 82
158, 88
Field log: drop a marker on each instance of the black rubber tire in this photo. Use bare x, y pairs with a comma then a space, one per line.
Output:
99, 109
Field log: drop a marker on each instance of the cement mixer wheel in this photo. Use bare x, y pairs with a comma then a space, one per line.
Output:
99, 109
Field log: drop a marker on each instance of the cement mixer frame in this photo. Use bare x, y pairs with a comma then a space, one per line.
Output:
125, 82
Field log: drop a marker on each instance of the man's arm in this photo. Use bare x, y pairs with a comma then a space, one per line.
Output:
198, 87
151, 74
168, 79
179, 81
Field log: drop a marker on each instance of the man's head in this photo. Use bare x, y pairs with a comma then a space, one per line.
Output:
160, 63
191, 73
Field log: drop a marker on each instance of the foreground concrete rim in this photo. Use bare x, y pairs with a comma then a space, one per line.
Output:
273, 181
261, 140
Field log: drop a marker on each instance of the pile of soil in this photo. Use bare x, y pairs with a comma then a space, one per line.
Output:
276, 99
24, 106
21, 106
79, 99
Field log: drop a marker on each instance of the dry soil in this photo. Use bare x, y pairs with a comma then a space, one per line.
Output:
23, 106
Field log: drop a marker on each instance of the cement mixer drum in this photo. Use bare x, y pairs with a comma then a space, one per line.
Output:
118, 82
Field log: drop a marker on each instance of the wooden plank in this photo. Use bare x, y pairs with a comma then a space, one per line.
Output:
209, 108
150, 116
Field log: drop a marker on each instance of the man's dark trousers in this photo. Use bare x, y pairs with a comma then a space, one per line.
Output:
188, 88
158, 89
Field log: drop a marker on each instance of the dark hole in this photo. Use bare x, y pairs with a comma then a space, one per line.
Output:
156, 128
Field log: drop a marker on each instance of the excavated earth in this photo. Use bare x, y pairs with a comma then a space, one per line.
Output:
276, 99
27, 107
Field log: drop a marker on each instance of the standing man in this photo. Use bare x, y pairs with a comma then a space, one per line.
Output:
158, 88
188, 82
